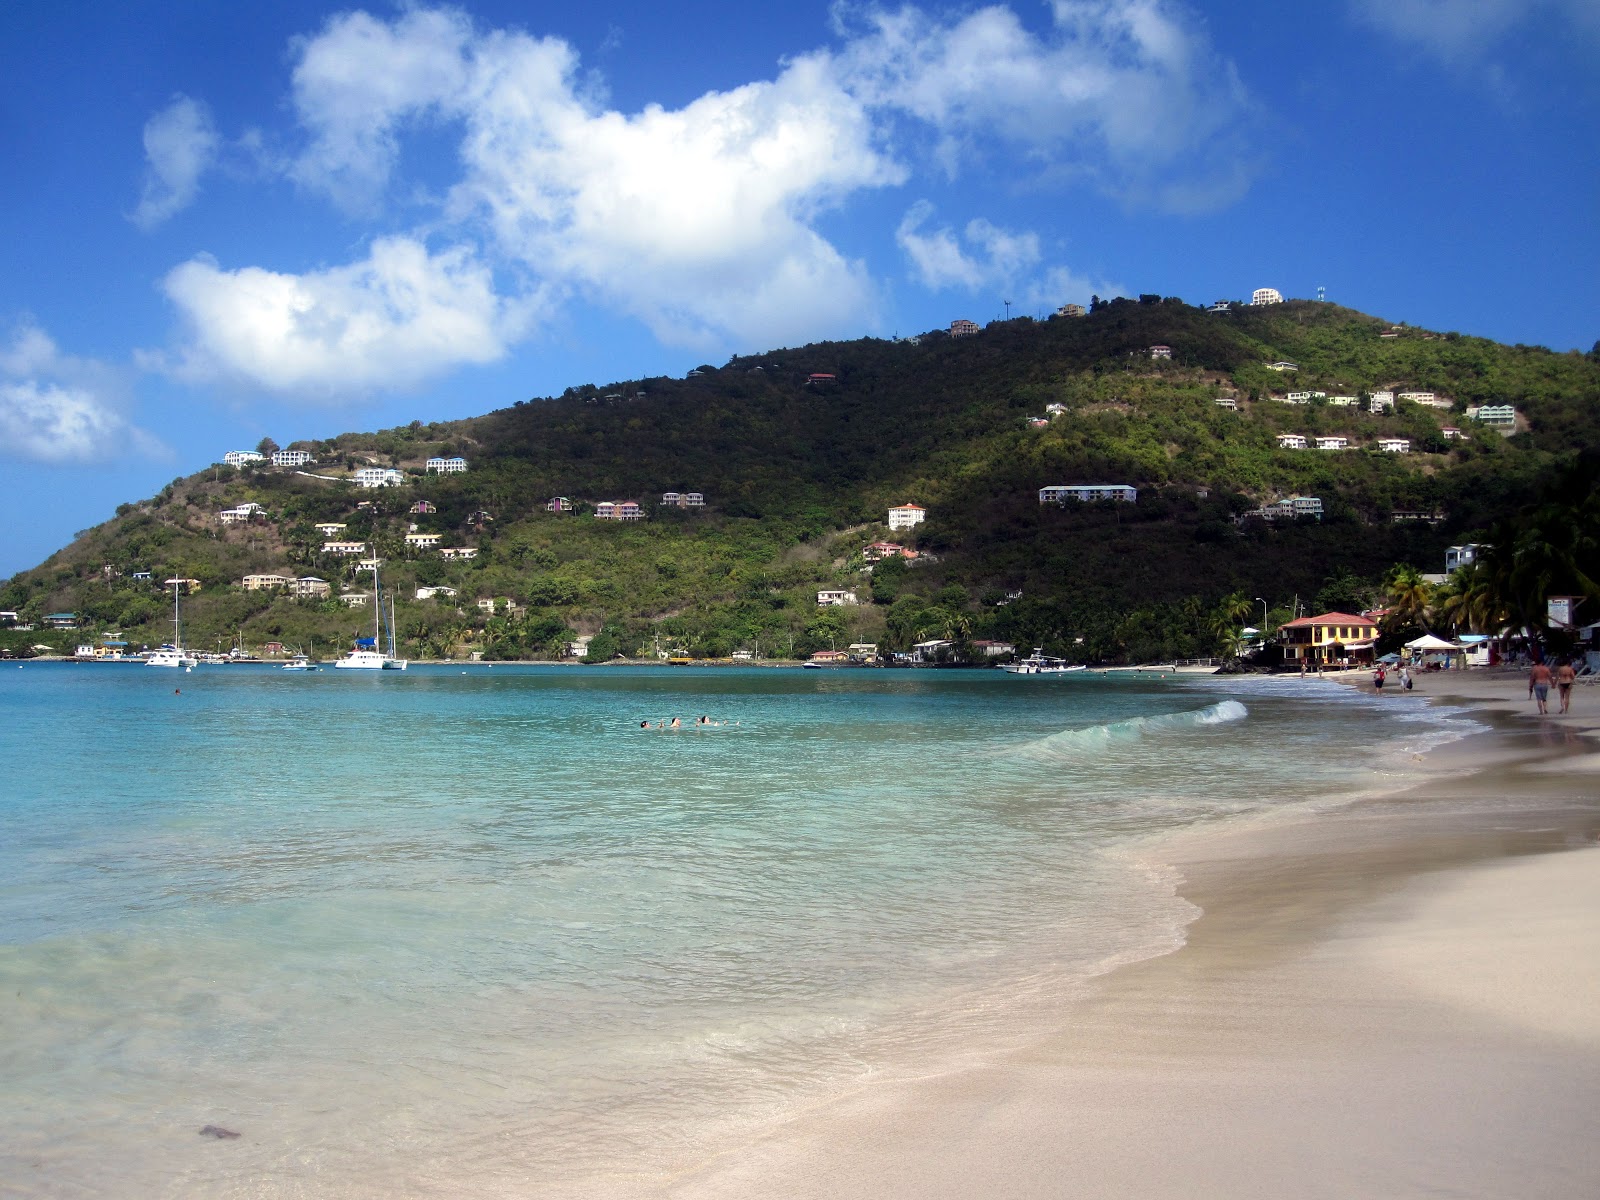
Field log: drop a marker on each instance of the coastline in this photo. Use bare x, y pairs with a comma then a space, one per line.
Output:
1393, 998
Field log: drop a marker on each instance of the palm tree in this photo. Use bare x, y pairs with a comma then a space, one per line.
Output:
1409, 595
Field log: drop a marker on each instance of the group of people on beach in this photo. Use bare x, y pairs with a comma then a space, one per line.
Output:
1541, 677
677, 723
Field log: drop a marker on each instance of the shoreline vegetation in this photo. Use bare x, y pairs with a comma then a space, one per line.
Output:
1391, 998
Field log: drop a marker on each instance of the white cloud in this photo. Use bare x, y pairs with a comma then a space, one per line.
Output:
59, 409
939, 261
1127, 93
390, 321
1458, 31
180, 143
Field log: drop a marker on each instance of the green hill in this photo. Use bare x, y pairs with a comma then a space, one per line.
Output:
798, 473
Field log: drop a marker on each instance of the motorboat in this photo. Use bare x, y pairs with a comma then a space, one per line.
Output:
1040, 663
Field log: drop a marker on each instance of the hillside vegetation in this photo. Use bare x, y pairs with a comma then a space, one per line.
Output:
798, 474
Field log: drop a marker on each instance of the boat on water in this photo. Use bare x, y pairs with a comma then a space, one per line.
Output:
1040, 663
173, 655
300, 663
367, 656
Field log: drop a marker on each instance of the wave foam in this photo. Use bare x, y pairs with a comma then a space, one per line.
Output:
1073, 742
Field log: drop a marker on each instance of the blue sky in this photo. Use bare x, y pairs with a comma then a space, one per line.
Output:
221, 223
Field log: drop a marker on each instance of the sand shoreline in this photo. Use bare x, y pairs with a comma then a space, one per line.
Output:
1398, 998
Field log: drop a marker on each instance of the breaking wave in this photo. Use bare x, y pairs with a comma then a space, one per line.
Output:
1095, 738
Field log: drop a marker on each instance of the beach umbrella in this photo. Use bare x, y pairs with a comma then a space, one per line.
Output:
1390, 658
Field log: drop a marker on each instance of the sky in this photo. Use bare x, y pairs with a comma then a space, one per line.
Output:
223, 222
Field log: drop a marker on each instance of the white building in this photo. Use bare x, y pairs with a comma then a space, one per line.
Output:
355, 599
1266, 296
424, 541
342, 547
1283, 364
237, 516
1292, 441
1160, 351
377, 477
1395, 445
1227, 402
1381, 401
1342, 401
1333, 443
446, 466
455, 552
330, 529
1298, 398
1291, 507
1450, 433
428, 593
241, 458
905, 516
1060, 493
291, 458
835, 598
1462, 556
309, 586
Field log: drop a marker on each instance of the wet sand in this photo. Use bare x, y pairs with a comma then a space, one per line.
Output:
1398, 999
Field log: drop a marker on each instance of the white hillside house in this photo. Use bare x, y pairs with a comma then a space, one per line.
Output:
1061, 493
904, 516
446, 466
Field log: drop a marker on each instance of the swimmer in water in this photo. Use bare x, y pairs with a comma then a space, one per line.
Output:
677, 724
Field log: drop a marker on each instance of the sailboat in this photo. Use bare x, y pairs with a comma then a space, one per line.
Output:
173, 655
367, 656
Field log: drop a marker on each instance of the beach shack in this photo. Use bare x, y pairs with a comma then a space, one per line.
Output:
1434, 652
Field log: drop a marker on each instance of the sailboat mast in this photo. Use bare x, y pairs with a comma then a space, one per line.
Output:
177, 624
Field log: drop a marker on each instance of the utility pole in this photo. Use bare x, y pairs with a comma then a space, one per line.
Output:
1007, 303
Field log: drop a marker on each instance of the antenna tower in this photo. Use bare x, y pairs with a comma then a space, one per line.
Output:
1322, 295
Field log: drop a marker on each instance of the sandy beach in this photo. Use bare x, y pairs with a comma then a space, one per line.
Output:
1400, 998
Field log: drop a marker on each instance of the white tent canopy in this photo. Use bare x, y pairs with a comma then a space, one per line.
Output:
1428, 642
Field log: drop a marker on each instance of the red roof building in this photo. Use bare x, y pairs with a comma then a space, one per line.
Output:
1332, 637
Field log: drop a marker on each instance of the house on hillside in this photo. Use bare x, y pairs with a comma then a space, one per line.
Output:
291, 458
1333, 442
1060, 493
355, 599
1451, 433
1381, 402
1160, 352
878, 551
835, 597
1070, 310
904, 516
1283, 364
423, 508
1395, 445
61, 620
428, 593
264, 583
1266, 296
1331, 637
309, 587
445, 466
558, 504
243, 458
1342, 401
962, 328
1292, 441
820, 377
615, 510
683, 500
240, 514
378, 477
330, 529
453, 553
1500, 416
424, 541
1227, 402
1456, 557
344, 547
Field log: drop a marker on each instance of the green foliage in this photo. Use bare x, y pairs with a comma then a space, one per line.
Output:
798, 479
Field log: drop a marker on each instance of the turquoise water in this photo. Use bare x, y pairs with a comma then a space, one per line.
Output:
468, 931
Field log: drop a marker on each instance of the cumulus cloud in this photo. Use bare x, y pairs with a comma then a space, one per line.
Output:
180, 143
995, 256
1126, 93
704, 221
392, 320
59, 409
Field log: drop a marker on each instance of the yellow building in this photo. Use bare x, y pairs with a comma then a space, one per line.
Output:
1332, 637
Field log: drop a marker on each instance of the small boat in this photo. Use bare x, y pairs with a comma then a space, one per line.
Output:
1040, 663
300, 663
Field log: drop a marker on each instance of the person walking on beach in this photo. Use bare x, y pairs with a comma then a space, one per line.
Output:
1405, 678
1565, 678
1378, 677
1539, 684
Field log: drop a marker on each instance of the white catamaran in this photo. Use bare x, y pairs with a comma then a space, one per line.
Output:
173, 655
366, 656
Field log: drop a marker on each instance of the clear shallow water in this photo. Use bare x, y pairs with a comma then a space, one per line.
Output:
463, 932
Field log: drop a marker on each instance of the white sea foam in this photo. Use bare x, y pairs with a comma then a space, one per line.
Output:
1096, 738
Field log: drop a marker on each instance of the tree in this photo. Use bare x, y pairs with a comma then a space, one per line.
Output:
267, 446
1409, 597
